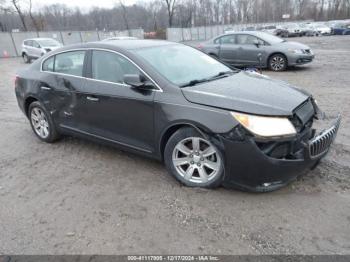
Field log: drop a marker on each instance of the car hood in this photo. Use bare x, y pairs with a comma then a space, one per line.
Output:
292, 45
249, 93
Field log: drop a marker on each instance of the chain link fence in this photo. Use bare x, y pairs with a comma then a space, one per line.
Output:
11, 43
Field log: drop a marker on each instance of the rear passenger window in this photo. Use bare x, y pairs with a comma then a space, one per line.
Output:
228, 40
48, 64
70, 63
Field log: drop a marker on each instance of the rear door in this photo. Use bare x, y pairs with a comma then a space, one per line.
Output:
228, 49
28, 46
62, 87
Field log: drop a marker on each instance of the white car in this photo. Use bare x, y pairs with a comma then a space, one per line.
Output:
322, 28
271, 29
37, 47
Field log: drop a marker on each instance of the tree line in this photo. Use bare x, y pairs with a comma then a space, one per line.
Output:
156, 15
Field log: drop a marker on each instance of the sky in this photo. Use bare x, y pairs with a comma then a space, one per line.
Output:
83, 4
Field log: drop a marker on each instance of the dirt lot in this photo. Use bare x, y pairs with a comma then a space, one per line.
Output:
78, 197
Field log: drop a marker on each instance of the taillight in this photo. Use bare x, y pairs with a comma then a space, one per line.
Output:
199, 46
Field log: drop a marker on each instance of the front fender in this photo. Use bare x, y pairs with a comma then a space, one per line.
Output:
206, 120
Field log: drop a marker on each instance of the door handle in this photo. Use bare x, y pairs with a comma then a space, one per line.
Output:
45, 88
92, 98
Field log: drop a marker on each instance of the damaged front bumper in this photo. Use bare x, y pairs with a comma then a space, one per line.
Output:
254, 167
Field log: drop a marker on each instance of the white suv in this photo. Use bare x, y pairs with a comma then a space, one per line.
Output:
36, 47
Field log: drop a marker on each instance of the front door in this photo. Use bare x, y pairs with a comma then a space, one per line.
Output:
113, 110
36, 49
249, 54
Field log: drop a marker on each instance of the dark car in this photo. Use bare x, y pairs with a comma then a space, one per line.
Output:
211, 124
341, 29
258, 49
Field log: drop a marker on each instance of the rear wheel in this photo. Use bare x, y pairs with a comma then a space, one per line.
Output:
278, 62
194, 160
26, 58
41, 123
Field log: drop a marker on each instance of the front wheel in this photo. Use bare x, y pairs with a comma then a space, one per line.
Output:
26, 58
194, 160
278, 62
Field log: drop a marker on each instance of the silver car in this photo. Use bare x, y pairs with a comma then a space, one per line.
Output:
37, 47
257, 49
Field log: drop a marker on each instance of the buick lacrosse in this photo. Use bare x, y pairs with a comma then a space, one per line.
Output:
211, 124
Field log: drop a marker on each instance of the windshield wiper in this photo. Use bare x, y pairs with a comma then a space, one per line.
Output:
224, 74
215, 77
195, 82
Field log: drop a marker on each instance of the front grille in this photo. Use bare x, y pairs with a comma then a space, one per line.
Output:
321, 143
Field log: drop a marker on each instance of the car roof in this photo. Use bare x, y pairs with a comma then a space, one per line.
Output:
117, 45
125, 44
39, 38
135, 43
254, 33
122, 38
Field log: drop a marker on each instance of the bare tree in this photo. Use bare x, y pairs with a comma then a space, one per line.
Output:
170, 8
125, 18
156, 15
21, 15
35, 23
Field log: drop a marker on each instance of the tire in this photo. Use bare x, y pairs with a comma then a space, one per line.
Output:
214, 56
41, 123
278, 62
202, 168
26, 58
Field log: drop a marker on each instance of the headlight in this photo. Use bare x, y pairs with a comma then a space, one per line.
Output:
296, 51
265, 126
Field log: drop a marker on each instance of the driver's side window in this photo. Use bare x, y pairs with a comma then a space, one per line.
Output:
111, 67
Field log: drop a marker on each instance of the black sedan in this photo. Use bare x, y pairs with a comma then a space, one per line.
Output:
212, 125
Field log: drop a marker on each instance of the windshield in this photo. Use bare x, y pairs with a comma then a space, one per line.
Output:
181, 64
48, 42
271, 39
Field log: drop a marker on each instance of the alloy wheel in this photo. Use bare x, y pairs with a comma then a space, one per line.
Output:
25, 58
277, 63
40, 122
196, 160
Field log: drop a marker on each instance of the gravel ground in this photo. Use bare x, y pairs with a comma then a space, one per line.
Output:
77, 197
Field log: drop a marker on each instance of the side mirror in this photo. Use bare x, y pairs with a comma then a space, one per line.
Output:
256, 42
134, 80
